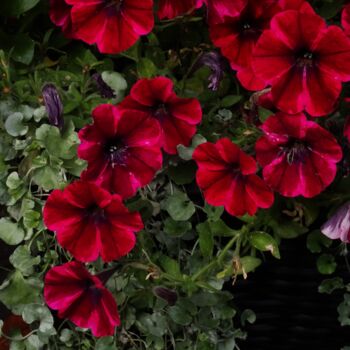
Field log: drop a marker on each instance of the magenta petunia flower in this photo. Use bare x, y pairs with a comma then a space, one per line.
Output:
219, 9
82, 298
122, 149
174, 8
177, 117
90, 222
114, 25
304, 61
238, 32
298, 156
60, 15
338, 225
227, 177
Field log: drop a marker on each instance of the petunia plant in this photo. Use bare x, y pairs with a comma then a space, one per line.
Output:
154, 154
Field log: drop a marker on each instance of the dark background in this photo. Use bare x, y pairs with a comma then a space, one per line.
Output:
291, 314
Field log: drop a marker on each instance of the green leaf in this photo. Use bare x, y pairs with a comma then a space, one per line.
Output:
14, 125
146, 68
23, 261
265, 242
18, 291
38, 312
48, 178
316, 240
344, 311
16, 7
180, 315
248, 264
105, 343
170, 266
186, 153
288, 229
230, 100
330, 285
13, 181
58, 145
219, 228
326, 264
154, 324
11, 233
228, 344
214, 213
23, 51
248, 316
206, 239
179, 206
183, 173
176, 228
115, 81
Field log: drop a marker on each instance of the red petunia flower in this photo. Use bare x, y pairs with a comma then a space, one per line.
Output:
345, 19
173, 8
236, 35
227, 176
81, 298
60, 15
177, 116
89, 222
304, 61
219, 9
298, 156
114, 25
122, 150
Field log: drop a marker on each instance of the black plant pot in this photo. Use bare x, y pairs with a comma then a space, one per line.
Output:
291, 313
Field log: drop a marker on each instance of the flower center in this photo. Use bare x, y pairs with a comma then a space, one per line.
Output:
296, 152
113, 6
305, 59
160, 112
116, 152
96, 213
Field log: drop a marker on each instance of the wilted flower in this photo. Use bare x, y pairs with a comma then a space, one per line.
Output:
338, 226
53, 104
170, 296
216, 63
105, 90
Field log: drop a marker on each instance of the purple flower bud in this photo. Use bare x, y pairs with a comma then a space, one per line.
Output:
166, 294
338, 226
216, 63
104, 89
53, 104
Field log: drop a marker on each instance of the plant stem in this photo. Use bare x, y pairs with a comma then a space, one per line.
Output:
217, 260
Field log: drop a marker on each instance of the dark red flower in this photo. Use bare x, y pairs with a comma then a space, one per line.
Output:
345, 19
114, 25
298, 156
237, 35
173, 8
82, 298
60, 15
227, 176
122, 150
177, 116
304, 61
90, 222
